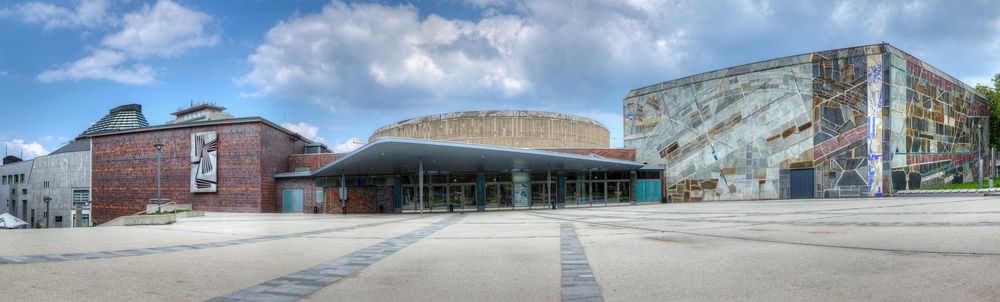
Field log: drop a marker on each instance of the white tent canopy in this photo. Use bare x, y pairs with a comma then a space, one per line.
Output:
8, 221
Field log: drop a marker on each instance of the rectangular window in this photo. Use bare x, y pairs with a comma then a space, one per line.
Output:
81, 196
24, 191
4, 179
15, 179
45, 184
319, 195
23, 179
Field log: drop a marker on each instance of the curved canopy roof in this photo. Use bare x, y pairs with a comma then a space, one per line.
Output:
403, 156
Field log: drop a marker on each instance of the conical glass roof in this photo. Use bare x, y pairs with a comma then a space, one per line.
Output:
120, 118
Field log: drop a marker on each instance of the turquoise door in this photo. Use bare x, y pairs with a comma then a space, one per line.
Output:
647, 190
291, 201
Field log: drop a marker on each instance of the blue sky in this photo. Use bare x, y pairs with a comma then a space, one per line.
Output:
338, 70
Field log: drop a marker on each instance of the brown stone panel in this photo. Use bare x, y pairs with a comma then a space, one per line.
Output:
361, 200
124, 169
613, 153
311, 161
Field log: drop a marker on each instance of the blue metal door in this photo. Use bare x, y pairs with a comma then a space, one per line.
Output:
291, 201
802, 183
647, 190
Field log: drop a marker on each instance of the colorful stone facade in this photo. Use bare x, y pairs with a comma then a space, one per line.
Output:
863, 120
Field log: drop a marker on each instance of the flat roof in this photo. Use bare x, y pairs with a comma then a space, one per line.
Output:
403, 155
778, 62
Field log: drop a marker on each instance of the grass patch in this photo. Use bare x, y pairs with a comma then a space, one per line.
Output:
965, 186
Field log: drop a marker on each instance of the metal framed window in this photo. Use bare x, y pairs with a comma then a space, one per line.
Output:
81, 196
45, 184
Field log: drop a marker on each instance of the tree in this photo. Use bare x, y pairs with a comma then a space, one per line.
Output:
993, 96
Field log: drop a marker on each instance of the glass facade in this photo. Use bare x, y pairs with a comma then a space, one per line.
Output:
513, 190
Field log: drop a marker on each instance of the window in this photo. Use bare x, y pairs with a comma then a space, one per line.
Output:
24, 191
15, 179
23, 179
319, 195
81, 196
45, 184
4, 179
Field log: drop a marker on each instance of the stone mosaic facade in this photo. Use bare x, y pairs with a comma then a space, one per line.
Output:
865, 121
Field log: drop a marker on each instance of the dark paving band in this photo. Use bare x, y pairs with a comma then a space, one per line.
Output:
303, 283
175, 248
578, 282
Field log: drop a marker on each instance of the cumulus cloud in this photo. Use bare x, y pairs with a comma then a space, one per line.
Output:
83, 14
101, 65
18, 147
347, 146
164, 30
305, 130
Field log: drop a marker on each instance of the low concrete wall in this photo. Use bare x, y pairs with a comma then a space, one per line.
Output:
142, 220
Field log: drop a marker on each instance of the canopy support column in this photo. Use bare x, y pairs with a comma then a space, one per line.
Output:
420, 184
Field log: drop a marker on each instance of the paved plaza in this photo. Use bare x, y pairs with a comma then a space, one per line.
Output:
897, 249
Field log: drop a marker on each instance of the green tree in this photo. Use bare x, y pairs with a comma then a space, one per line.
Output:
993, 95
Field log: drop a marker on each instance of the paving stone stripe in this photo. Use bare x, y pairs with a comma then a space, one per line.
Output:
578, 282
297, 285
26, 259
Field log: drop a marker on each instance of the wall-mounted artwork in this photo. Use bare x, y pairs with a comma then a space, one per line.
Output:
204, 162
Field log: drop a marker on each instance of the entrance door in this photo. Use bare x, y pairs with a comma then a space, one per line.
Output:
291, 201
802, 183
647, 190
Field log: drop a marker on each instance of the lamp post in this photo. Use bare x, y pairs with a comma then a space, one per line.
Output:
47, 200
979, 131
159, 148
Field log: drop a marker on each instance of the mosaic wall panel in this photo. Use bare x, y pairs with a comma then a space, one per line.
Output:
726, 138
935, 124
735, 133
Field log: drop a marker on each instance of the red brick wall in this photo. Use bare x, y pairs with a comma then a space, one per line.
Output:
311, 161
614, 153
274, 159
308, 192
124, 169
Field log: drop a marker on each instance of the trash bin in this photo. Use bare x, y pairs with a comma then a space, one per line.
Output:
381, 209
451, 208
315, 210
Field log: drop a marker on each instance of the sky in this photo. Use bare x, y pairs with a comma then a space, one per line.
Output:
335, 71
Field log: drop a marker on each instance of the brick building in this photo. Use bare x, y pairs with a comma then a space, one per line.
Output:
250, 151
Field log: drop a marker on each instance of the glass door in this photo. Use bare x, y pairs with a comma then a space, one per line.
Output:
439, 198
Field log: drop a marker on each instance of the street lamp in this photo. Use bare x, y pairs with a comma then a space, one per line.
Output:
159, 148
47, 200
979, 132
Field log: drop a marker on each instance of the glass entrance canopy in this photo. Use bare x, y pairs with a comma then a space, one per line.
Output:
456, 176
403, 156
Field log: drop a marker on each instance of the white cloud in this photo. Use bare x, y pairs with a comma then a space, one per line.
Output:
84, 14
391, 57
347, 51
48, 138
164, 30
305, 130
350, 145
18, 147
3, 73
101, 65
